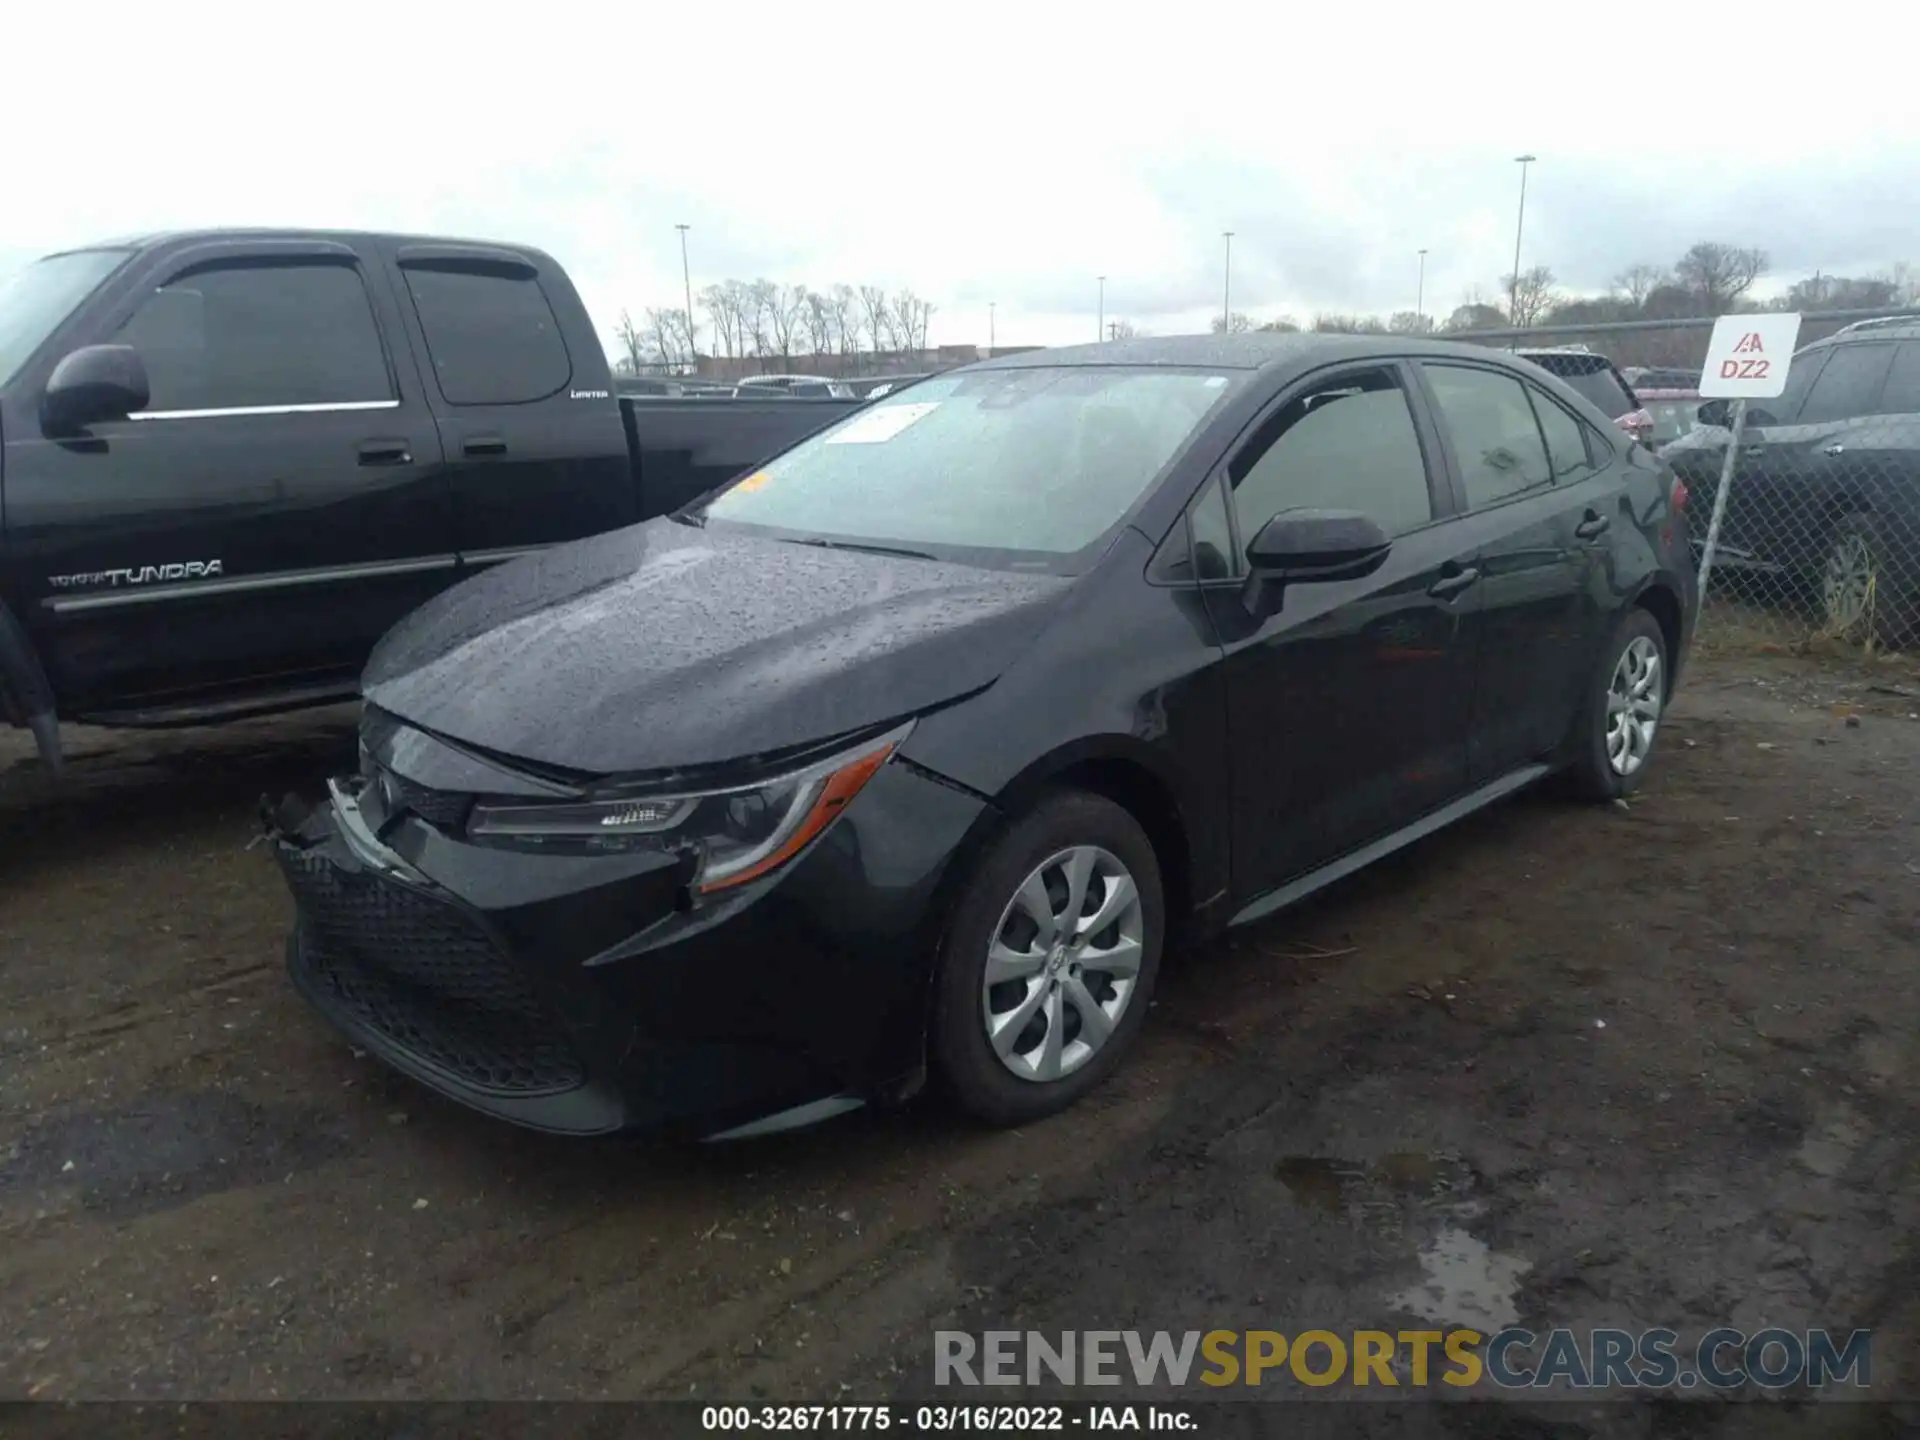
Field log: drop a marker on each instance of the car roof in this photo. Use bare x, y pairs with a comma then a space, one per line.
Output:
1258, 350
1898, 327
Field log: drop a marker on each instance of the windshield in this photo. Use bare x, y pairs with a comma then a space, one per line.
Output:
34, 301
1038, 461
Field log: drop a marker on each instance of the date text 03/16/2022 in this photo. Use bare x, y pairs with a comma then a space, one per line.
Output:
945, 1419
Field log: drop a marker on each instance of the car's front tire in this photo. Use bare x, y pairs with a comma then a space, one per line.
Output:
1626, 701
1049, 963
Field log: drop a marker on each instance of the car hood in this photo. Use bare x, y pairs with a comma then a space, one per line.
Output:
664, 646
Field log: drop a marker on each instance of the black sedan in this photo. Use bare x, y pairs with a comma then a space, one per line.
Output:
907, 756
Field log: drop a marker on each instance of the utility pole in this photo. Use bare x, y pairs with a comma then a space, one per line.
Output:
1513, 297
1226, 288
686, 280
1420, 295
991, 347
1113, 330
1100, 326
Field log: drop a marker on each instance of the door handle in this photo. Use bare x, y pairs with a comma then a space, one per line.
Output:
383, 452
1593, 525
1835, 449
484, 445
1449, 585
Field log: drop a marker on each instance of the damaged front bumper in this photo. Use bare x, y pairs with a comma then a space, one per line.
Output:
579, 994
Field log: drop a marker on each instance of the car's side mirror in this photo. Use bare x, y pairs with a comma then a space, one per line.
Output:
1298, 547
1718, 413
92, 384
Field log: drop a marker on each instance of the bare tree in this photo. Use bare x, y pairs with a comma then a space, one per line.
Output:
816, 320
762, 299
843, 312
1716, 275
1124, 330
1234, 324
688, 336
1279, 325
1476, 314
722, 304
1410, 322
1905, 278
633, 346
911, 316
1635, 283
785, 312
878, 315
663, 336
1348, 325
1531, 296
1842, 292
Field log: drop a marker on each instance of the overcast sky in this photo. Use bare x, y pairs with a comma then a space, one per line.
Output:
985, 152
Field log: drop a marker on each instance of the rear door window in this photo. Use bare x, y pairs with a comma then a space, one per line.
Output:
490, 333
1849, 386
1901, 394
1566, 437
1496, 438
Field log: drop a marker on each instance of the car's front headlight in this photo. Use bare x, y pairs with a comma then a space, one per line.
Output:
737, 834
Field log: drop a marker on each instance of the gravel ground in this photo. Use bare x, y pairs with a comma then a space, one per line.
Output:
1644, 1065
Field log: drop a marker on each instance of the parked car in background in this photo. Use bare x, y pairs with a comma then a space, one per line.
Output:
873, 389
1599, 380
814, 387
854, 774
1643, 378
1824, 499
1674, 412
232, 459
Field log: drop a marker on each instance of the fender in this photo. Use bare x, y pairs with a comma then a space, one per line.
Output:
25, 693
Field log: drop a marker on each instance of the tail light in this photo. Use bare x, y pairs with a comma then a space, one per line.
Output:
1679, 497
1638, 424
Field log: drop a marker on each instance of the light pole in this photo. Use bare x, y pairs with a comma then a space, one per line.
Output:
686, 279
990, 342
1513, 295
1226, 288
1100, 326
1420, 295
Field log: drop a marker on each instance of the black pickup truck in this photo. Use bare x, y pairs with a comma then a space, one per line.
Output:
230, 460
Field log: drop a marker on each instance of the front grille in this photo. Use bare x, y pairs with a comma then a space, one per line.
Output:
419, 972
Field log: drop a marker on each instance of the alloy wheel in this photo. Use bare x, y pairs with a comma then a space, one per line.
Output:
1633, 705
1063, 963
1846, 584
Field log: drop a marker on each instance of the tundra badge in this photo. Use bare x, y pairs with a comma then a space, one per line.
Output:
138, 575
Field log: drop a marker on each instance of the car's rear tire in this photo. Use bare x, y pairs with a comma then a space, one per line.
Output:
1626, 701
1862, 594
1063, 1001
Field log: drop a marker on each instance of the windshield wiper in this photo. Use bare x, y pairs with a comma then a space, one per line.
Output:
901, 550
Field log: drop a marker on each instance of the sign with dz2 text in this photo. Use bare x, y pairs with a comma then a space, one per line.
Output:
1748, 356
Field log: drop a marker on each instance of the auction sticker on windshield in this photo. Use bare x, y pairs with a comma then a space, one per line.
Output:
1748, 356
876, 426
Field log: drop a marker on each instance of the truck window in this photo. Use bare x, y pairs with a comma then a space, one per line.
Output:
491, 335
243, 335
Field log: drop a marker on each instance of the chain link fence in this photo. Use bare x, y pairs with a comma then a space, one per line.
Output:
1805, 509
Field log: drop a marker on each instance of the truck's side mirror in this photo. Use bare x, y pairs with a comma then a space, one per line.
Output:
1715, 413
92, 384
